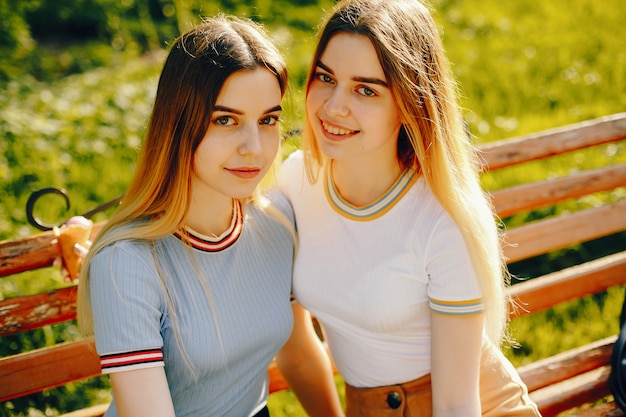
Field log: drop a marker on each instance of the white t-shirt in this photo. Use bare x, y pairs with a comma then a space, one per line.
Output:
372, 274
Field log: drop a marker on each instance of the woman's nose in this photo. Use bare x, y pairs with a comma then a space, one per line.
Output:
251, 140
337, 103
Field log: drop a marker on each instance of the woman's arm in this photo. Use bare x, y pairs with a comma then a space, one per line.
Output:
306, 366
455, 364
142, 392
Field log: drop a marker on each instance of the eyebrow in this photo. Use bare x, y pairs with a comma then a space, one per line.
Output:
225, 109
368, 80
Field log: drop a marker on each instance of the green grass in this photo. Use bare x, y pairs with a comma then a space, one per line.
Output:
285, 403
528, 66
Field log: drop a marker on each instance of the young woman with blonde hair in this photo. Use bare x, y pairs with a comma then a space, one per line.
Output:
187, 286
399, 252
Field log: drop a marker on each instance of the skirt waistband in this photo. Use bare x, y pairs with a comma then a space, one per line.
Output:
411, 398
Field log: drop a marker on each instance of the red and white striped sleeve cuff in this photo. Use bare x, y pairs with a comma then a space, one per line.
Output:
127, 361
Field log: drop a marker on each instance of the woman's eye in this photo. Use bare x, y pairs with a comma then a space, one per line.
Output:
325, 78
224, 121
368, 92
269, 120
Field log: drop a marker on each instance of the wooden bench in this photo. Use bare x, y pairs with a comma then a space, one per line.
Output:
566, 380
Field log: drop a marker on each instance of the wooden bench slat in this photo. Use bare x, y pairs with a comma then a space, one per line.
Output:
19, 314
277, 380
31, 253
49, 367
504, 153
564, 365
570, 283
26, 254
21, 374
573, 392
554, 233
524, 197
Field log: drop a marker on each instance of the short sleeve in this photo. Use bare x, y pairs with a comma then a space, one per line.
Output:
128, 307
453, 287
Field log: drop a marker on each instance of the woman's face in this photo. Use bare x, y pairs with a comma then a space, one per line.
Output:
349, 103
242, 139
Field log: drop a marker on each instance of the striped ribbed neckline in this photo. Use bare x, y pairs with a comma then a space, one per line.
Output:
374, 210
208, 244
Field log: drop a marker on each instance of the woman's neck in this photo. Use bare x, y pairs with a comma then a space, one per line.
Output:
210, 218
360, 183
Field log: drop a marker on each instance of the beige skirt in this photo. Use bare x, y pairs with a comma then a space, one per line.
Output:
502, 393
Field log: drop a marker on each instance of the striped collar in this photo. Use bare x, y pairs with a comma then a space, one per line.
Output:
215, 244
374, 210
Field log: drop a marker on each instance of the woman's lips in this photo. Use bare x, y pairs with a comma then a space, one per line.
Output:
245, 173
336, 133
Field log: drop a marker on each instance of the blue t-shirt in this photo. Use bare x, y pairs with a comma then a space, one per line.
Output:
231, 323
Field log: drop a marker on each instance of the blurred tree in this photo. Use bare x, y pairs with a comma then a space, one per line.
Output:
15, 38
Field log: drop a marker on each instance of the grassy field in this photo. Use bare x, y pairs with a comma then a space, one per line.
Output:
522, 67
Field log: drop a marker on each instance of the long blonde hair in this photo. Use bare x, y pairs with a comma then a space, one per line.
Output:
433, 138
158, 198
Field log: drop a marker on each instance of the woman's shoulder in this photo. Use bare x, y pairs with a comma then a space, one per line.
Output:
278, 199
296, 158
273, 201
291, 169
428, 213
126, 265
427, 202
123, 251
